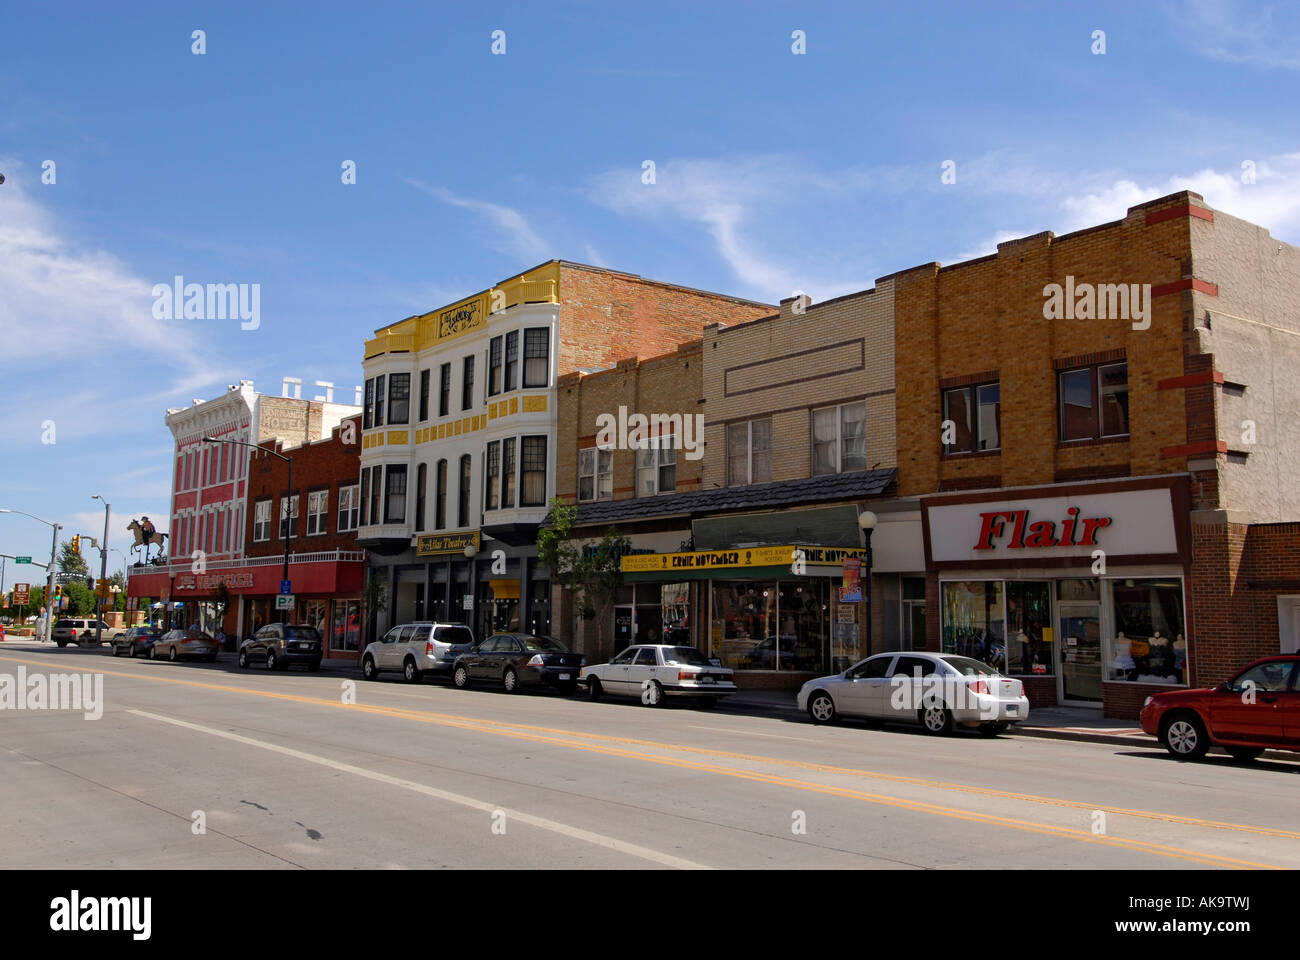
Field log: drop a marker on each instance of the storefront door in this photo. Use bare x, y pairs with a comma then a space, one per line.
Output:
1080, 652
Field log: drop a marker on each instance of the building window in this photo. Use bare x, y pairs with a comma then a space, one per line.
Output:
379, 401
399, 398
421, 480
749, 452
976, 415
365, 495
537, 352
973, 621
289, 517
508, 468
1094, 402
595, 474
349, 508
467, 384
317, 505
839, 439
656, 467
512, 359
376, 484
444, 390
368, 411
440, 497
462, 511
1150, 641
424, 395
494, 367
493, 475
533, 457
395, 494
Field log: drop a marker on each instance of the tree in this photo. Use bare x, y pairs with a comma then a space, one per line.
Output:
71, 562
81, 599
592, 573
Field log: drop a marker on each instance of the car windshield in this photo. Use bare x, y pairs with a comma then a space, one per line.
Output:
969, 667
685, 655
544, 644
302, 633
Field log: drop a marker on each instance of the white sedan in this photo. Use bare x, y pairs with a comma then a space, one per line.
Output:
653, 671
937, 690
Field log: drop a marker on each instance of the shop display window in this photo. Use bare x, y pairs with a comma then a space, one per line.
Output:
974, 622
1149, 644
1029, 628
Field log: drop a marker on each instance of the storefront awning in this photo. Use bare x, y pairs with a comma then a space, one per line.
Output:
816, 561
504, 589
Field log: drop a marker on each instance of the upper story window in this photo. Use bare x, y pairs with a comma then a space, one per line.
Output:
399, 398
1094, 402
595, 474
261, 520
368, 411
444, 390
749, 452
424, 395
421, 481
532, 456
379, 401
289, 517
508, 467
317, 506
839, 439
395, 494
494, 367
975, 413
440, 496
656, 467
462, 511
349, 508
537, 357
467, 384
512, 360
492, 476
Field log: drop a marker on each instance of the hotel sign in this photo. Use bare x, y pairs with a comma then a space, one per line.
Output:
746, 557
441, 544
461, 318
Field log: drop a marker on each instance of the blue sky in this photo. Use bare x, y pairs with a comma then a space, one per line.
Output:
774, 172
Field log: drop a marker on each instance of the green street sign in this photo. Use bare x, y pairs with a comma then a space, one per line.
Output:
22, 559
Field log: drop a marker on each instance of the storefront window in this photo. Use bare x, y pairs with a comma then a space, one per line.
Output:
1029, 628
973, 621
771, 625
346, 626
314, 613
674, 613
1150, 642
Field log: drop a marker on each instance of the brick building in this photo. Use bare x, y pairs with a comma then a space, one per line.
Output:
460, 410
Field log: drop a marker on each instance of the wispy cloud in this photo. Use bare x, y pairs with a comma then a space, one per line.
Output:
1234, 32
514, 235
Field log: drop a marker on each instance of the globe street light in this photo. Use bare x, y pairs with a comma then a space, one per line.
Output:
867, 523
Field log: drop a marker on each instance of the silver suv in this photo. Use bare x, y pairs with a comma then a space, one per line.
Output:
419, 649
80, 631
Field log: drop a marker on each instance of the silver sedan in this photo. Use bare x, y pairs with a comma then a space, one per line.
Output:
937, 690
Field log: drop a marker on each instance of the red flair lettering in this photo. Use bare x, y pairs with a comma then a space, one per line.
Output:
997, 524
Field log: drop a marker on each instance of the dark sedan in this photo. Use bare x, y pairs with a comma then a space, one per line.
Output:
136, 642
517, 660
280, 644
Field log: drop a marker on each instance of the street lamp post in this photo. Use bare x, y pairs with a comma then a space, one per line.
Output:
288, 499
867, 523
49, 584
103, 572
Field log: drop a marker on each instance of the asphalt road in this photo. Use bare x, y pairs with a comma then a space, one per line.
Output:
282, 772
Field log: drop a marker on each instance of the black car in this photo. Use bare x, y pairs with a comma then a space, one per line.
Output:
136, 642
518, 660
280, 644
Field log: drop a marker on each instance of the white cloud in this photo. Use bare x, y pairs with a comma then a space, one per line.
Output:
514, 234
1235, 32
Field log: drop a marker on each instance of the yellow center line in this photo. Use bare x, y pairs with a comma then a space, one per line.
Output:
539, 734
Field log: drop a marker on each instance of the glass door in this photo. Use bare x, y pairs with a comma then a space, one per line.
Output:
1080, 652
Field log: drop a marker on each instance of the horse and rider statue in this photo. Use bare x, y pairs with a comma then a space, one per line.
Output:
145, 536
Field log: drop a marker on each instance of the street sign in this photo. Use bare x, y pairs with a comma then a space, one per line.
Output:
467, 602
22, 559
284, 601
286, 587
21, 593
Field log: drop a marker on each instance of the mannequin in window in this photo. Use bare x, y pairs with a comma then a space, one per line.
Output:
1123, 664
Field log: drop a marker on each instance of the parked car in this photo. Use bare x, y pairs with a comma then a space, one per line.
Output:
279, 645
655, 671
518, 660
937, 690
417, 650
81, 631
1258, 709
184, 642
136, 641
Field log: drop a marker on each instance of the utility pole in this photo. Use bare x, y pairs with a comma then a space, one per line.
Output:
103, 572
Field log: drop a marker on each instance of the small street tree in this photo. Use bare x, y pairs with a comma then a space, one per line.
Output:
591, 573
71, 562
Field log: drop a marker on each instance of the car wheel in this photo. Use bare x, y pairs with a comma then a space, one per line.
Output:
937, 719
153, 652
460, 677
135, 651
243, 659
510, 680
171, 653
821, 708
62, 643
410, 672
992, 729
270, 661
1184, 736
594, 690
116, 652
653, 695
1244, 754
368, 670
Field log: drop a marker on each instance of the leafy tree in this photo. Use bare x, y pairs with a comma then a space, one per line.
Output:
81, 599
592, 573
71, 562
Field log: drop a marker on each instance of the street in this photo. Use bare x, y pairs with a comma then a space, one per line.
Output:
279, 771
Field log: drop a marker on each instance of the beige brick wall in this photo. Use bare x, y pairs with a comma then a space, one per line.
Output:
784, 366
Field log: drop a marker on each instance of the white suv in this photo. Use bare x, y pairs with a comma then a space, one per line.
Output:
74, 630
417, 650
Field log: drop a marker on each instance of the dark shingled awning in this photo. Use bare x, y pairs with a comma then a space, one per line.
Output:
753, 496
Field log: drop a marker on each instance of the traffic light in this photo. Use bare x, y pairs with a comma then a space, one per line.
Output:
58, 596
76, 544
